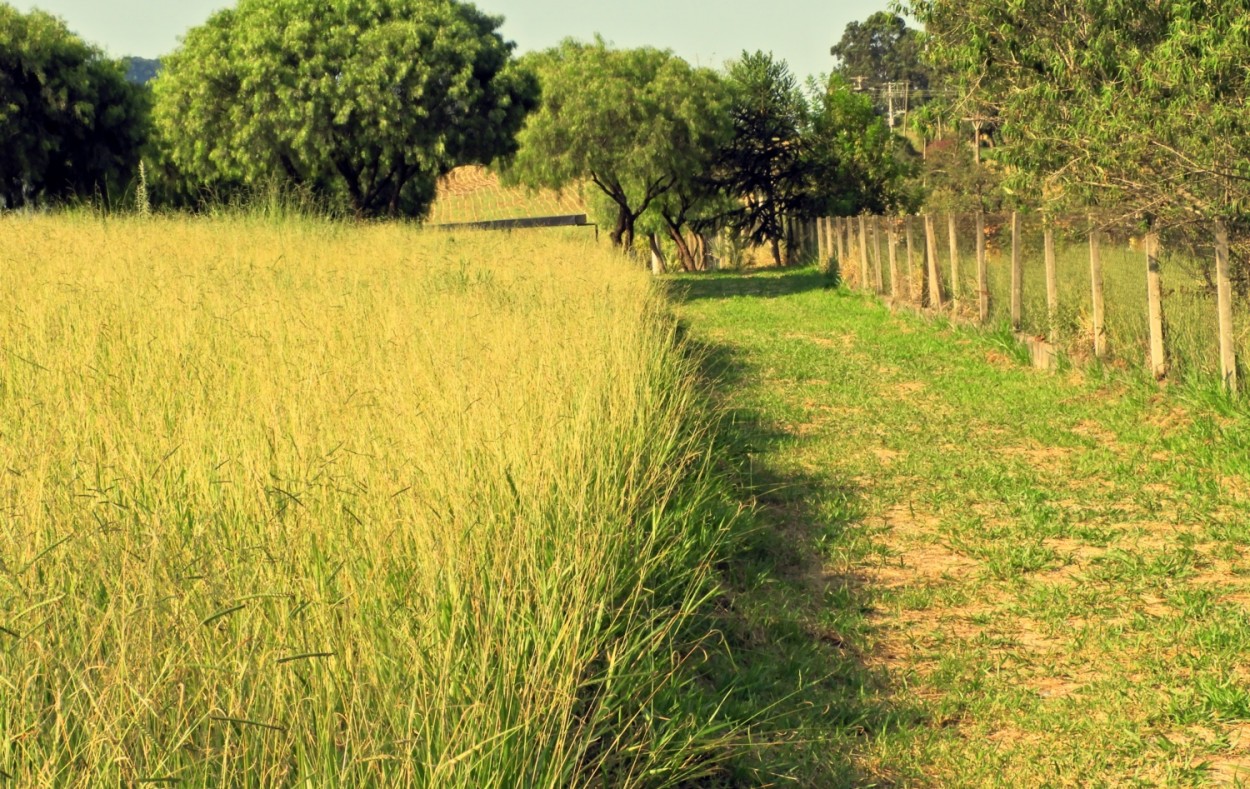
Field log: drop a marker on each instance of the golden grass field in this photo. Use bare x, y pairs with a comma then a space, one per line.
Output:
475, 194
303, 503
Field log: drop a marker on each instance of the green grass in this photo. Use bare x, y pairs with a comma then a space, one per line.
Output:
965, 572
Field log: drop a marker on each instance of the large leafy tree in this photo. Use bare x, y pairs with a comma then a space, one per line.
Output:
366, 101
71, 123
859, 164
767, 164
695, 205
1133, 103
880, 50
633, 123
801, 155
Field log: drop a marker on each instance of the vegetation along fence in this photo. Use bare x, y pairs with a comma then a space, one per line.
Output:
1082, 286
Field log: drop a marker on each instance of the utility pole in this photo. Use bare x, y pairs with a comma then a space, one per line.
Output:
900, 92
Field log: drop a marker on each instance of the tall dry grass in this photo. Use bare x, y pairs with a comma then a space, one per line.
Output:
300, 503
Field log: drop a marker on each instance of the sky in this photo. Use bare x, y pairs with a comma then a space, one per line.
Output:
704, 32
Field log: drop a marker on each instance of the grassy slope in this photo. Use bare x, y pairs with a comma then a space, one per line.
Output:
969, 573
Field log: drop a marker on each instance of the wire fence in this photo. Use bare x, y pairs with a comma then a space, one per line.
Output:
1085, 287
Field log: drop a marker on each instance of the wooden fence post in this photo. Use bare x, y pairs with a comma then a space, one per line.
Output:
1224, 295
1052, 283
852, 243
844, 240
892, 241
852, 250
839, 235
983, 275
952, 231
863, 252
822, 244
1096, 295
1017, 274
1154, 294
911, 263
876, 254
935, 278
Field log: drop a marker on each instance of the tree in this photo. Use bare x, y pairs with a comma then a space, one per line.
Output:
880, 50
766, 165
696, 203
953, 180
364, 101
71, 124
635, 123
1133, 103
858, 164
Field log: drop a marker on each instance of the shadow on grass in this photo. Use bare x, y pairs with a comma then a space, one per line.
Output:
794, 671
765, 283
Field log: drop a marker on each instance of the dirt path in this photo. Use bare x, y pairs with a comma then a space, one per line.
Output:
987, 576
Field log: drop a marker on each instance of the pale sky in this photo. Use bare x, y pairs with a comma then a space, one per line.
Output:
705, 32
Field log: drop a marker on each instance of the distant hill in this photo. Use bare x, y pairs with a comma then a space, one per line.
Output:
141, 71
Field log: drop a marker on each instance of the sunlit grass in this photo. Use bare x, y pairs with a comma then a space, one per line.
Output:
474, 194
973, 573
306, 503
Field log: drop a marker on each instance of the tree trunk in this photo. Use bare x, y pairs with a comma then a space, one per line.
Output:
775, 245
658, 264
622, 224
684, 253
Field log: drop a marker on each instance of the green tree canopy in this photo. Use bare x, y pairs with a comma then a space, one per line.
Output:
1132, 103
634, 123
71, 123
366, 101
880, 50
859, 164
